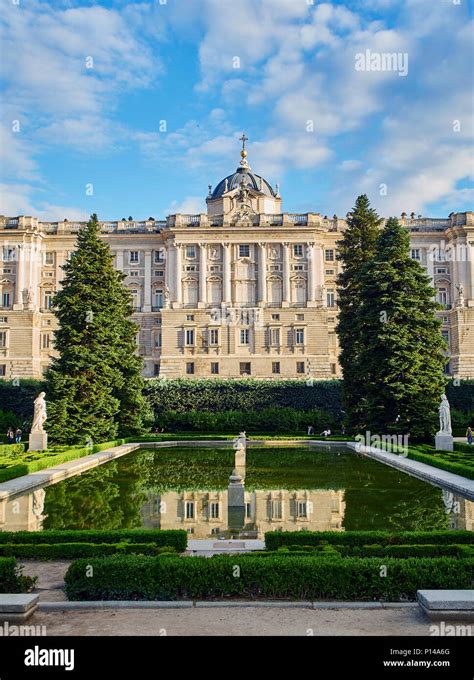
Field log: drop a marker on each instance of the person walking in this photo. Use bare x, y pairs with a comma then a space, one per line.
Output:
10, 436
469, 435
18, 434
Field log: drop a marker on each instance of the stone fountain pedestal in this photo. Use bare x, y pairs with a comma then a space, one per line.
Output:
38, 441
444, 442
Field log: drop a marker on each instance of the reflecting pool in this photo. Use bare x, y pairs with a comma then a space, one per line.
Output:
288, 489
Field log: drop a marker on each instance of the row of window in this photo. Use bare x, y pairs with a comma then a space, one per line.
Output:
244, 336
274, 509
245, 368
45, 339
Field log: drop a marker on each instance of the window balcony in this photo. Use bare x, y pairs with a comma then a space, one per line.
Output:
157, 309
136, 309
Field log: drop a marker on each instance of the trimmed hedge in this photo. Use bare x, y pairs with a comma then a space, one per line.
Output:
251, 577
11, 578
44, 459
176, 538
398, 551
276, 539
12, 449
436, 460
68, 551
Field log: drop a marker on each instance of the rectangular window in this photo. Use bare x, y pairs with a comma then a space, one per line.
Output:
443, 296
3, 319
158, 339
3, 339
3, 370
190, 337
329, 255
244, 336
445, 335
302, 509
134, 257
158, 300
244, 251
275, 317
49, 257
298, 267
191, 252
214, 368
134, 272
245, 368
300, 317
156, 369
248, 510
189, 509
45, 340
214, 336
300, 366
275, 337
276, 367
329, 272
190, 368
6, 300
48, 300
276, 509
298, 250
415, 254
189, 317
159, 256
8, 254
214, 510
191, 268
333, 369
159, 273
330, 298
299, 336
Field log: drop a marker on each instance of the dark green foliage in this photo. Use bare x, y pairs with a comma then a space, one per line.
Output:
301, 578
397, 551
11, 578
94, 387
277, 419
176, 539
276, 539
182, 395
403, 352
355, 249
18, 398
69, 551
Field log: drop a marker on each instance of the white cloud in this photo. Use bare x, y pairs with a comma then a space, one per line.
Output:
15, 199
191, 205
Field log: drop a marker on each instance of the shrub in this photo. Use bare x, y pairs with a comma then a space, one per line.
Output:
11, 578
276, 539
398, 551
439, 460
12, 450
67, 551
305, 578
177, 539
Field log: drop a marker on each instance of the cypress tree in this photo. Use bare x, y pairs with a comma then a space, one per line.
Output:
95, 384
355, 249
403, 353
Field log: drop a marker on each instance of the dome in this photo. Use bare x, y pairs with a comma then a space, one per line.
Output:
251, 180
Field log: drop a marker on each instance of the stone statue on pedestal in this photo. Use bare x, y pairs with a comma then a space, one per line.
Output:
38, 437
167, 296
460, 300
444, 438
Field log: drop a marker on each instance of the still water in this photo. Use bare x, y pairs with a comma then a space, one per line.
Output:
285, 488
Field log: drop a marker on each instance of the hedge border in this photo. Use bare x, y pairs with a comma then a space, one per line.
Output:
276, 539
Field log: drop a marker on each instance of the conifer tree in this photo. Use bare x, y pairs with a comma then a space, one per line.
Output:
355, 249
403, 353
94, 386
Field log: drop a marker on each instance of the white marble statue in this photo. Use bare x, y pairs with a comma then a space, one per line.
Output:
240, 442
444, 416
167, 297
460, 300
40, 414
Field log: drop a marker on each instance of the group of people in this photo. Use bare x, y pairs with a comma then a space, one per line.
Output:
14, 437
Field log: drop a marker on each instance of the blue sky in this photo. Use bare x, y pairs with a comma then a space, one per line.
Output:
86, 86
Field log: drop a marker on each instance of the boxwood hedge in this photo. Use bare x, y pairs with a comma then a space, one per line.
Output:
251, 577
176, 539
67, 551
11, 578
275, 539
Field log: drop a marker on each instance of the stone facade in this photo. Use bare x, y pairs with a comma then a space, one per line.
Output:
243, 290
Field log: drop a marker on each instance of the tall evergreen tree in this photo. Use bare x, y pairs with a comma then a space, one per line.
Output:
403, 352
94, 386
355, 249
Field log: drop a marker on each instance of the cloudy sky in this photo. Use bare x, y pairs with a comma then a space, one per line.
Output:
133, 108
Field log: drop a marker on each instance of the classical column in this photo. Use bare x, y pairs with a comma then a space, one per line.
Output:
19, 283
35, 273
319, 274
147, 282
311, 272
470, 272
202, 274
226, 288
60, 258
262, 274
177, 273
119, 260
430, 257
286, 275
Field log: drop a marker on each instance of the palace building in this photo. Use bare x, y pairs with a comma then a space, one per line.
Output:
244, 289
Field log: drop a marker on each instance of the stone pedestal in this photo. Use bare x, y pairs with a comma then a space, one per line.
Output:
444, 442
38, 441
235, 491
